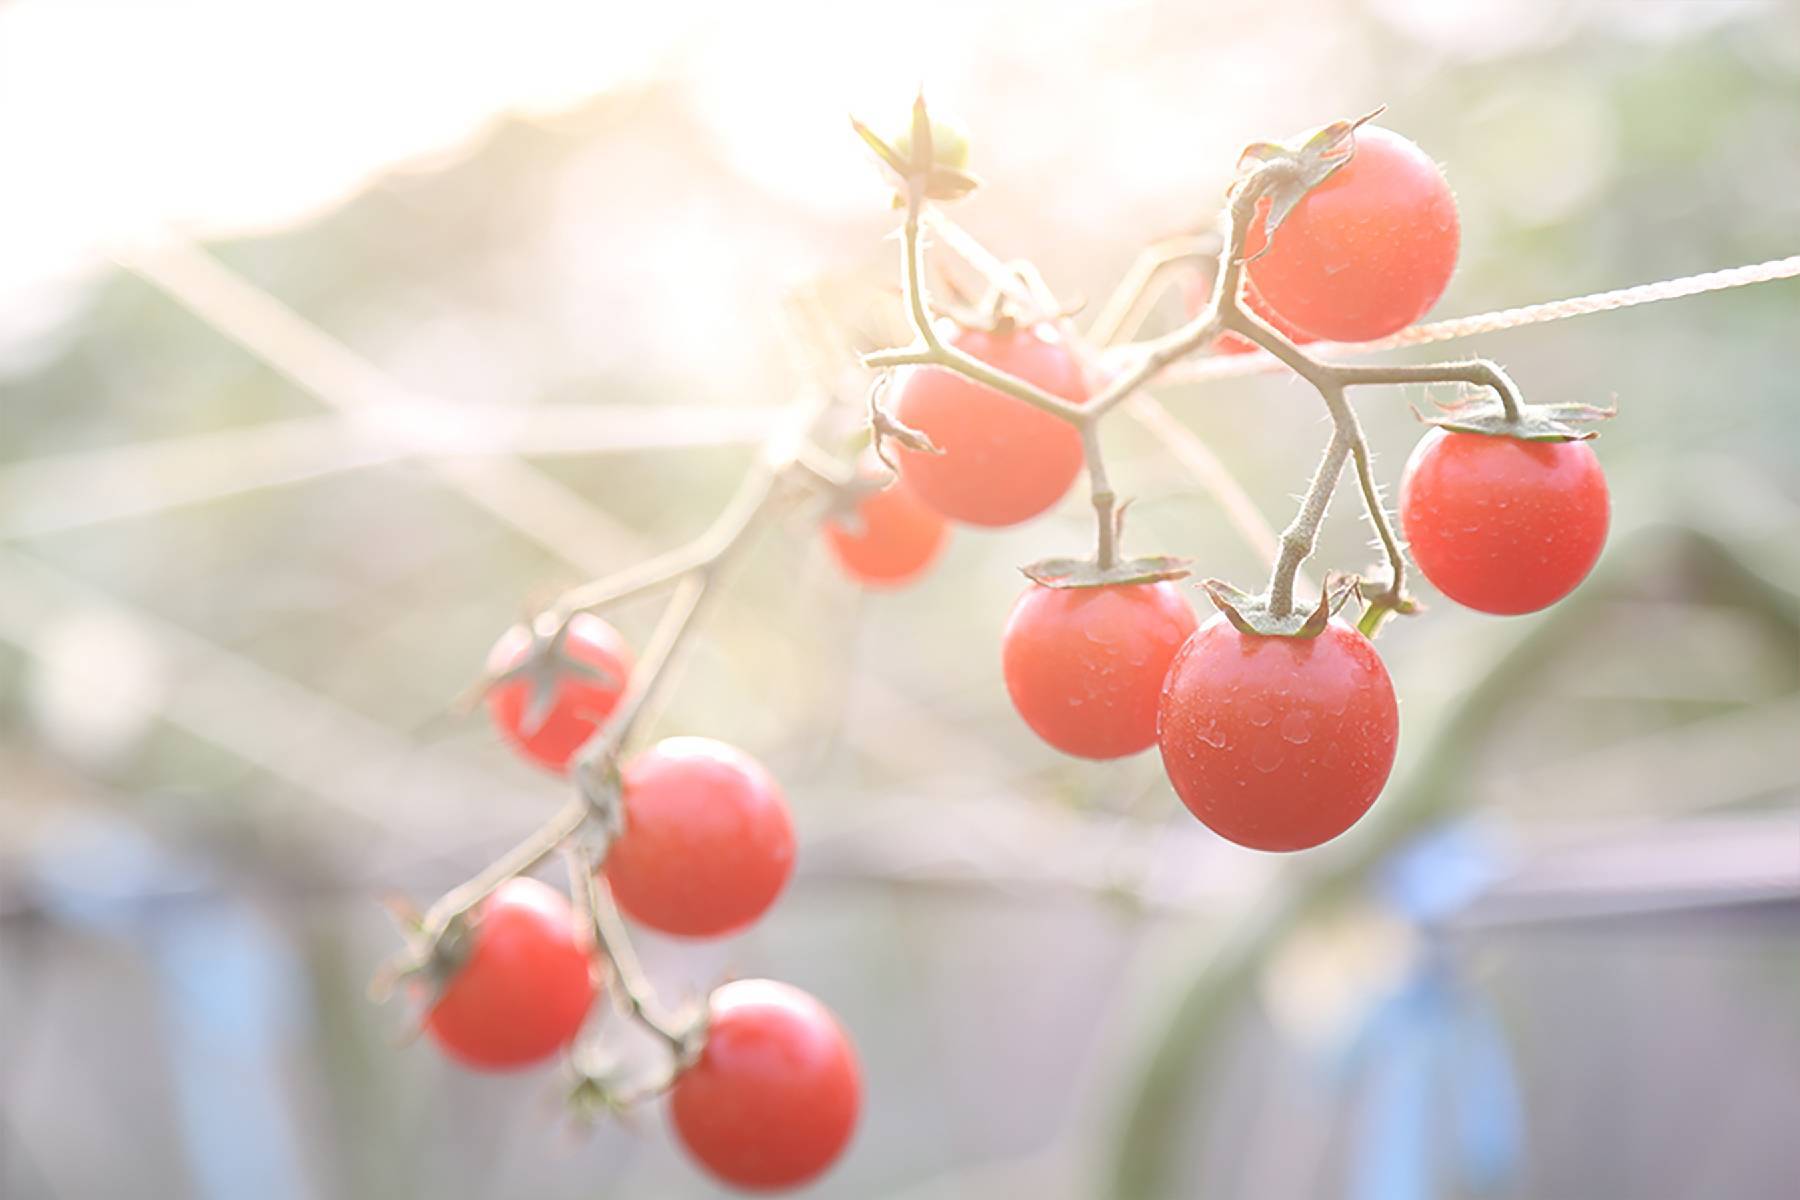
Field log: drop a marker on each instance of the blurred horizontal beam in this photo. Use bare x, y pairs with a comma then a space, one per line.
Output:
57, 493
1007, 849
514, 493
356, 767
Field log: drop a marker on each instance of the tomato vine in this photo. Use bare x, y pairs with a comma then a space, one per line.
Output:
1276, 720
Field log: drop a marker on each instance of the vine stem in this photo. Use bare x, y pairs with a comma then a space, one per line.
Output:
1298, 538
630, 984
1347, 439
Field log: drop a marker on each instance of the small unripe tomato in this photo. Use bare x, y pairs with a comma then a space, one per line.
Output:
580, 702
949, 143
774, 1097
1084, 665
900, 536
525, 987
1500, 524
1278, 743
707, 843
1002, 460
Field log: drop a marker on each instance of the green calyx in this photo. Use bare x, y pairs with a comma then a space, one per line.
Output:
1487, 416
1254, 615
1085, 572
1302, 166
919, 159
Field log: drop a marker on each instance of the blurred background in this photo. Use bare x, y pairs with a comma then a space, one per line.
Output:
334, 336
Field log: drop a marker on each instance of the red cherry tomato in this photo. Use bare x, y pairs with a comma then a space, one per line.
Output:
525, 988
707, 844
1500, 524
1278, 743
1084, 666
1197, 292
900, 536
1367, 252
774, 1097
1003, 461
576, 693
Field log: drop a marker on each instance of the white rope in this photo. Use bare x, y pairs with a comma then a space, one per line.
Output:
1224, 366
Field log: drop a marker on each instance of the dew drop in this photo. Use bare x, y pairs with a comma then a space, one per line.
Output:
1267, 756
1296, 727
1258, 713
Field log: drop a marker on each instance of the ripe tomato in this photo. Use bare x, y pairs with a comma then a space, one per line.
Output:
1084, 666
901, 535
1500, 524
773, 1099
1277, 743
707, 844
551, 710
1367, 252
1003, 461
1197, 291
525, 988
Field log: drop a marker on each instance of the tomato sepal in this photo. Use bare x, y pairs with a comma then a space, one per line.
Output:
914, 156
1535, 422
1311, 162
543, 667
1086, 573
1251, 614
885, 427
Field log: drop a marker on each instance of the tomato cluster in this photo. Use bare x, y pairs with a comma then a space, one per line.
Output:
1275, 741
705, 846
1276, 731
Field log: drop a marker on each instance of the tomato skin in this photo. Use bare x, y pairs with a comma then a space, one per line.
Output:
901, 536
708, 843
774, 1097
526, 987
1503, 525
582, 704
1367, 252
1278, 743
1085, 666
1003, 461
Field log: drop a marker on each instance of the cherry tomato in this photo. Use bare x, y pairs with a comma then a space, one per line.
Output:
1003, 461
1278, 743
525, 988
774, 1097
1084, 666
548, 711
1367, 252
707, 844
1500, 524
1197, 292
900, 537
